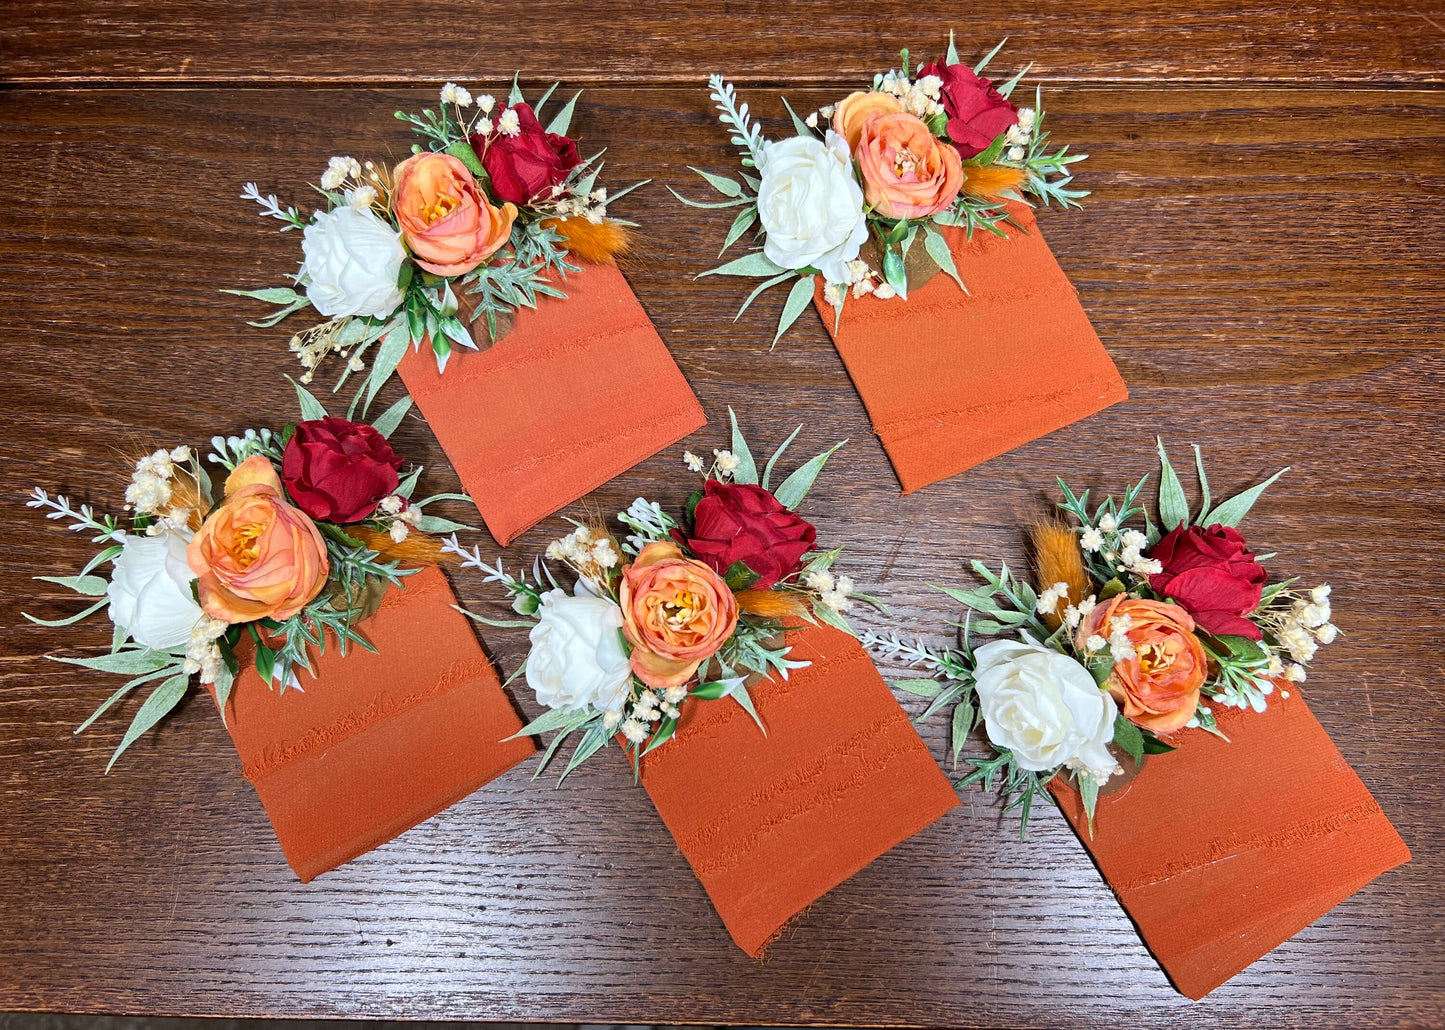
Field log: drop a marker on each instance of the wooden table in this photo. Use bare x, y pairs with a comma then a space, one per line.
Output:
1261, 255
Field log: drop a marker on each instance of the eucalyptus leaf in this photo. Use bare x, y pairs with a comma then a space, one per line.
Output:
938, 250
747, 470
918, 687
124, 663
311, 408
70, 621
978, 68
1089, 792
1173, 507
277, 295
962, 723
745, 700
830, 616
158, 705
741, 224
1233, 511
799, 297
727, 187
388, 356
553, 719
768, 470
799, 126
755, 263
758, 291
389, 419
591, 742
562, 121
437, 524
1203, 485
791, 493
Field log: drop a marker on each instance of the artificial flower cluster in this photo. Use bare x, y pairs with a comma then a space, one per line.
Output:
859, 193
676, 611
481, 221
1126, 637
310, 529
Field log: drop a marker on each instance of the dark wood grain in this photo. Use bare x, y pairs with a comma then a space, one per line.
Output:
191, 41
1262, 263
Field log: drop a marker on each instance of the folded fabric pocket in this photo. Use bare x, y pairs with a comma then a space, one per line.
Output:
772, 823
377, 742
953, 379
577, 392
1221, 851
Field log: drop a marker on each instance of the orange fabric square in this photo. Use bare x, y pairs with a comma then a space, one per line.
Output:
951, 380
378, 742
772, 823
578, 392
1221, 851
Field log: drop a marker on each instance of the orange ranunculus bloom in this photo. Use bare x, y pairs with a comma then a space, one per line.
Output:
446, 219
676, 613
908, 172
256, 556
1159, 687
850, 113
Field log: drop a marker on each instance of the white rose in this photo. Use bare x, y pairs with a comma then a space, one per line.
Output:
1044, 707
353, 259
577, 658
150, 591
811, 206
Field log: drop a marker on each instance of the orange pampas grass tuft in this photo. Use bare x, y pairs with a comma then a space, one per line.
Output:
771, 604
990, 182
1057, 560
416, 549
594, 243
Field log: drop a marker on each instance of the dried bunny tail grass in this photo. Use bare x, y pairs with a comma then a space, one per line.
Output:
594, 243
991, 181
1057, 560
186, 493
771, 604
416, 549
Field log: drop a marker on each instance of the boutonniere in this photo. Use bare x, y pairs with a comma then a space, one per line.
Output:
490, 212
680, 610
295, 548
1128, 636
860, 193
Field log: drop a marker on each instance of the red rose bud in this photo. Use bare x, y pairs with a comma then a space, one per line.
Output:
977, 113
739, 522
336, 470
527, 164
1212, 575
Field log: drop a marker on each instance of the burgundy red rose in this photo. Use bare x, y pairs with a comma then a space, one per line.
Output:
739, 522
338, 471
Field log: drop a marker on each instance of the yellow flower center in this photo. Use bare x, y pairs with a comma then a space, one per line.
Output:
244, 548
904, 162
682, 609
439, 209
1154, 658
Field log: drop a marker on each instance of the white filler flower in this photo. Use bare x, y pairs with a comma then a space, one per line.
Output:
811, 206
577, 658
150, 591
1044, 707
353, 259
